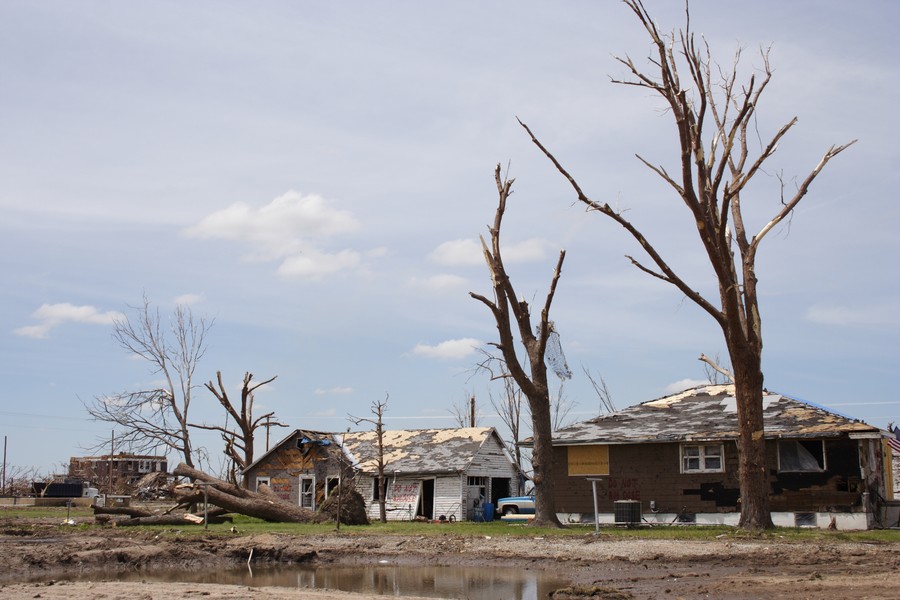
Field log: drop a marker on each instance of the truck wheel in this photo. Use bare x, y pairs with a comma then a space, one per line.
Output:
510, 510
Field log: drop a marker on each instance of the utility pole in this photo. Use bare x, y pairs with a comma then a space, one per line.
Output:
472, 412
3, 484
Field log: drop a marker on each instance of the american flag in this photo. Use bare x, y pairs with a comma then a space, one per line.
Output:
894, 443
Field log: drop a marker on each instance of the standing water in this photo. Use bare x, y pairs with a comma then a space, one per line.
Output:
471, 583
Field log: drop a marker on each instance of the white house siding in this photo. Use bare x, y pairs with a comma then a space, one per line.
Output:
448, 499
492, 462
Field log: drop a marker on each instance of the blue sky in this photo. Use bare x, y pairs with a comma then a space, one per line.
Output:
314, 176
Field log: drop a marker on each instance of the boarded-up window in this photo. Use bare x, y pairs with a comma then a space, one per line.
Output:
588, 460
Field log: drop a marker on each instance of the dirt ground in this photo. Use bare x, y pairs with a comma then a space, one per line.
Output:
599, 567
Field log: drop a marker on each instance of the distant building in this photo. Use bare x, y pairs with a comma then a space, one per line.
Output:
117, 472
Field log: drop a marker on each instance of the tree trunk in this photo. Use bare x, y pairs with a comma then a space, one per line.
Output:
754, 475
242, 501
542, 465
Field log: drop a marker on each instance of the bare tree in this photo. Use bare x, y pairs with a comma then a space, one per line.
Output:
509, 409
464, 411
378, 409
606, 402
714, 169
560, 407
715, 373
240, 438
156, 417
509, 310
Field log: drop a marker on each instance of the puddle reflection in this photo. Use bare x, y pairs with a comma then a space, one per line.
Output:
473, 583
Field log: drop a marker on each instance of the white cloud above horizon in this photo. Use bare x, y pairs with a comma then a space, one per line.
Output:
439, 283
292, 229
334, 391
54, 315
684, 384
449, 349
468, 252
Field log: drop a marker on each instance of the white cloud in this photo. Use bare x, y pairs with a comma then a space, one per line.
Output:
450, 349
313, 264
884, 314
684, 384
335, 391
458, 252
468, 252
291, 228
439, 283
188, 299
53, 315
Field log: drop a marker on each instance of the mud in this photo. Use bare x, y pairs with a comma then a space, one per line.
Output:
35, 557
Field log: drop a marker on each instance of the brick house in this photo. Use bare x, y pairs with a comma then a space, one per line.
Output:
429, 472
117, 472
677, 456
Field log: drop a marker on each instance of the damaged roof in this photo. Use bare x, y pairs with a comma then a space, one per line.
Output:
709, 413
417, 450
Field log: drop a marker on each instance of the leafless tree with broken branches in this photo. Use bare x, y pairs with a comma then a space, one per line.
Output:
715, 115
510, 311
378, 409
239, 438
156, 417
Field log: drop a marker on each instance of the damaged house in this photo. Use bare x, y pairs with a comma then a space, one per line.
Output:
430, 472
675, 459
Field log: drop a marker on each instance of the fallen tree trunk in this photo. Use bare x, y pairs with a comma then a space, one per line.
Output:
122, 510
239, 500
154, 520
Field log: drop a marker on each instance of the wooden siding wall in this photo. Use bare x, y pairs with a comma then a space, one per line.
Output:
492, 462
447, 498
284, 469
652, 472
448, 491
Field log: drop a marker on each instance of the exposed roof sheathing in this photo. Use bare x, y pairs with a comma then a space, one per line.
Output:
416, 451
707, 413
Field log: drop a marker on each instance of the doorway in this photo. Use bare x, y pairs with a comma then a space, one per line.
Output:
426, 501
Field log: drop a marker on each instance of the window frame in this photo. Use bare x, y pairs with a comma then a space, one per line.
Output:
311, 494
824, 455
702, 457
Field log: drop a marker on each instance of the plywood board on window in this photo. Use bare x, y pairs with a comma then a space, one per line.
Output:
588, 460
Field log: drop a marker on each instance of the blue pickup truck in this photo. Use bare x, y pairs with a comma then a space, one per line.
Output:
516, 505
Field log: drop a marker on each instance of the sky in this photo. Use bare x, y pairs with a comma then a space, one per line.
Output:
314, 177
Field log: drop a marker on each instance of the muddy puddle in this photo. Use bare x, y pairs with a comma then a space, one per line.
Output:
472, 583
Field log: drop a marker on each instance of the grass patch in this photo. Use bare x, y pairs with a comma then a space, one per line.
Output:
247, 526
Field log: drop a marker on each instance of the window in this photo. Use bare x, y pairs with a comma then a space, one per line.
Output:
263, 481
376, 488
801, 456
477, 481
702, 458
331, 485
308, 492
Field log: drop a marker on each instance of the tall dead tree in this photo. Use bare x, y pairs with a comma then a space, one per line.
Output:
715, 116
149, 419
378, 409
508, 311
240, 438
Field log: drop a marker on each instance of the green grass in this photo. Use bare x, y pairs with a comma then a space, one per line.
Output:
247, 525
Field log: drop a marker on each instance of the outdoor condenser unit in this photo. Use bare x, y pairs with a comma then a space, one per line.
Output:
627, 512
